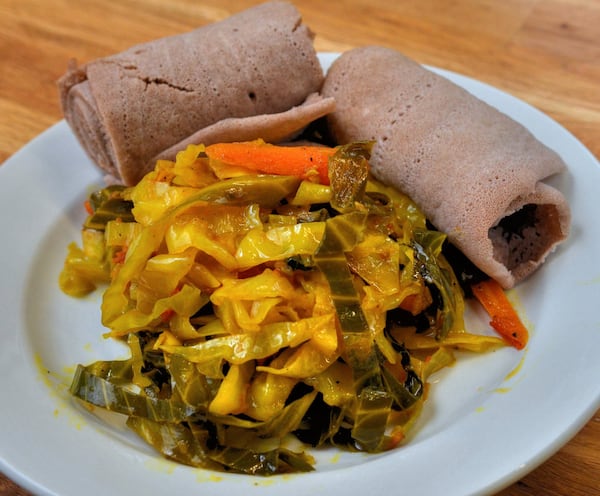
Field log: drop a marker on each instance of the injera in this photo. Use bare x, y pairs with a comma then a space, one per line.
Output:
253, 75
474, 172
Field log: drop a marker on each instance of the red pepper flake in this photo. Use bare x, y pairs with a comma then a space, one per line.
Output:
167, 315
396, 438
119, 256
88, 207
169, 312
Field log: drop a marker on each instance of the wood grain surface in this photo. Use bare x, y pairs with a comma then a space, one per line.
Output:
546, 52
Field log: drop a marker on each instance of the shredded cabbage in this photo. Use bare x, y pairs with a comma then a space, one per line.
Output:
259, 308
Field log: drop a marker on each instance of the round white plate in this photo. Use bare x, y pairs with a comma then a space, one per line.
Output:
489, 420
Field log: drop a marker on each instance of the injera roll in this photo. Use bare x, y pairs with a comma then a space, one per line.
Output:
474, 172
253, 75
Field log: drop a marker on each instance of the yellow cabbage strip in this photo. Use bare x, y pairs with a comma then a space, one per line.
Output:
239, 348
268, 393
231, 398
182, 304
278, 243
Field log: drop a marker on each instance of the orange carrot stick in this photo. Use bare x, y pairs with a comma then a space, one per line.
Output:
299, 161
505, 320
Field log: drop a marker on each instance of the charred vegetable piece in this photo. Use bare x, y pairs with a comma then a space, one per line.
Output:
348, 174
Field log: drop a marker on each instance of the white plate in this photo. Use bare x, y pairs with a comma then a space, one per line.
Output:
490, 419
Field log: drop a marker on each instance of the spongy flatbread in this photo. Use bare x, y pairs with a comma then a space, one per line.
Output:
470, 168
128, 108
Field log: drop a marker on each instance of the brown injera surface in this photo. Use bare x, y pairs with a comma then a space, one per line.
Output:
472, 170
128, 108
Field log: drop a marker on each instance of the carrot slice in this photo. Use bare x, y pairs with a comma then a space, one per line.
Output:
505, 320
301, 161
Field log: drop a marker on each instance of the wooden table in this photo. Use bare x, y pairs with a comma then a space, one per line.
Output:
546, 52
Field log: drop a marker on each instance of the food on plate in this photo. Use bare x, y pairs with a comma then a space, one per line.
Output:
267, 306
476, 173
253, 75
278, 296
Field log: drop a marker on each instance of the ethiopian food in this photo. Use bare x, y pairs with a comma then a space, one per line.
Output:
476, 174
277, 297
272, 298
253, 75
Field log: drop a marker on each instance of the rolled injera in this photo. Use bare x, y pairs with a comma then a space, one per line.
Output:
476, 173
253, 75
